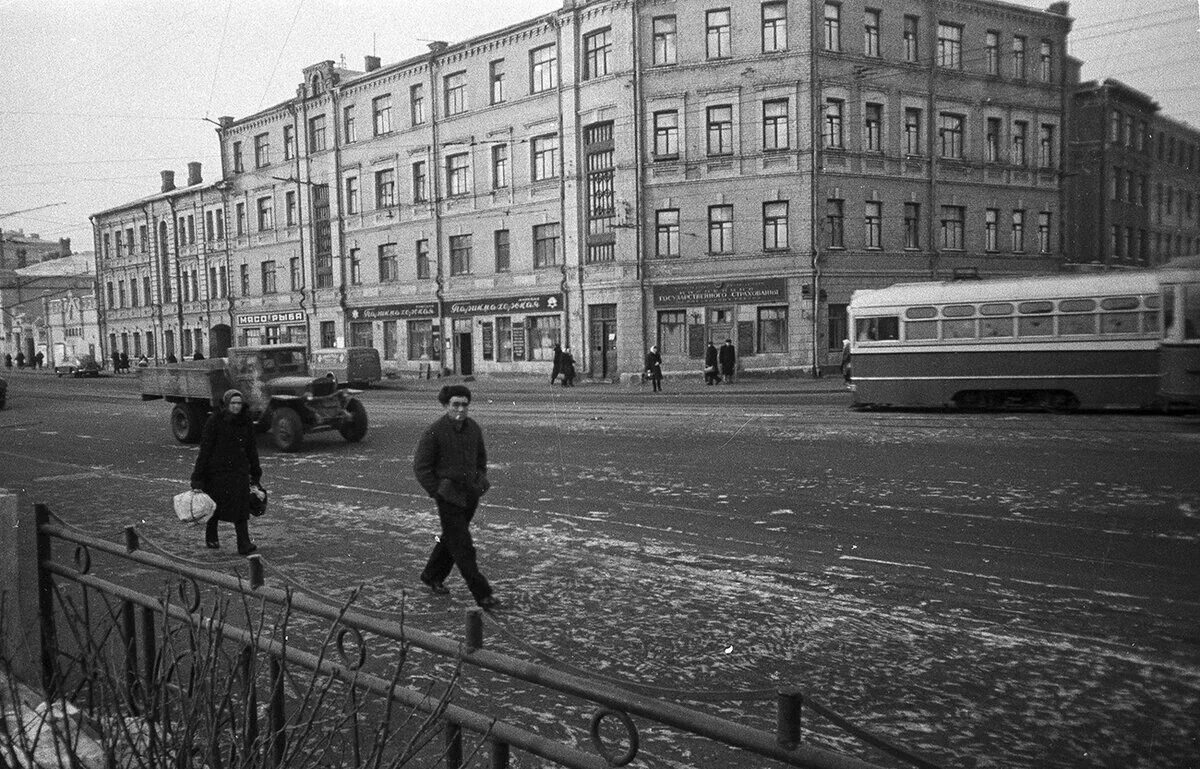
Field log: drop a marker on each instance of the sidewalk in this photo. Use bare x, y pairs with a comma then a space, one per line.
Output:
681, 383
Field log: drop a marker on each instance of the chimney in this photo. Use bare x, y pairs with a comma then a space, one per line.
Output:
64, 246
194, 173
225, 121
372, 63
168, 180
437, 46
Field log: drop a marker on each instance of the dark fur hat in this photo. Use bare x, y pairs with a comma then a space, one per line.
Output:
453, 391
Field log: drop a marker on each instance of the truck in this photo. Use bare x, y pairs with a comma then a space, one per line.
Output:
281, 394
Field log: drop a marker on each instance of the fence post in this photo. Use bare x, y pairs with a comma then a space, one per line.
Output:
278, 717
499, 758
474, 630
20, 591
454, 751
45, 612
788, 718
129, 637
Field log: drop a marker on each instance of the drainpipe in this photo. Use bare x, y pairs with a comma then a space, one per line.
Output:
335, 94
101, 308
639, 186
562, 176
155, 268
815, 232
434, 173
178, 284
300, 187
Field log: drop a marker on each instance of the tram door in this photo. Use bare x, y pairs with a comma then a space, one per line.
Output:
603, 341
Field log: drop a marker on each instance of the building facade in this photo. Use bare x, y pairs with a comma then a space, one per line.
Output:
1134, 182
21, 296
616, 175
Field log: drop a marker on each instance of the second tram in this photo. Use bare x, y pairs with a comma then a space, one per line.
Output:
1179, 361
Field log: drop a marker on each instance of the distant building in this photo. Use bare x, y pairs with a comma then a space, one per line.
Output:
20, 299
1133, 188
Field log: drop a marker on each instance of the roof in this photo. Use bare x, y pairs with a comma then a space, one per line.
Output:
1010, 289
82, 263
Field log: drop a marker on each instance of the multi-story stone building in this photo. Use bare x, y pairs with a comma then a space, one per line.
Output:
615, 175
1134, 184
21, 305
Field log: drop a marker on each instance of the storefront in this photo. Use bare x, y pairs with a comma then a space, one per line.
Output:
401, 332
505, 334
753, 314
284, 327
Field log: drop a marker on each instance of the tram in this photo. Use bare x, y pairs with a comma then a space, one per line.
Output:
1060, 342
1179, 355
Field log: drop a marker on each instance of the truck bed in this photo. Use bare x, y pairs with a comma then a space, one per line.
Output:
199, 380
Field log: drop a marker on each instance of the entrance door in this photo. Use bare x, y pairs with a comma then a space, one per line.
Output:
602, 338
465, 354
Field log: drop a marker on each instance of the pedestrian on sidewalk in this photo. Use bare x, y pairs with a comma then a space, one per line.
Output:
556, 369
728, 358
654, 368
846, 360
125, 362
711, 376
20, 359
568, 368
226, 468
450, 463
37, 359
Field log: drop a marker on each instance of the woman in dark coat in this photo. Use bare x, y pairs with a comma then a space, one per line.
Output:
557, 368
226, 467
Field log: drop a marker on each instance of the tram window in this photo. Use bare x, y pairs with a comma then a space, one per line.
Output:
920, 329
1076, 325
998, 308
877, 329
1035, 326
1168, 305
1150, 318
1077, 305
958, 329
958, 311
1119, 303
1035, 308
995, 327
917, 313
1119, 323
1191, 312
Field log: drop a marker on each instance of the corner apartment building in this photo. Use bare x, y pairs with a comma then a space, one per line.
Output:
22, 325
615, 175
1134, 182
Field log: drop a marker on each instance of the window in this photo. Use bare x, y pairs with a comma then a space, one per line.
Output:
992, 140
496, 78
953, 218
873, 224
720, 229
835, 218
717, 40
833, 27
672, 332
950, 135
871, 32
1019, 141
772, 329
352, 202
385, 188
834, 135
239, 214
499, 166
543, 68
191, 229
912, 132
720, 130
389, 269
295, 274
666, 229
121, 292
873, 128
1044, 234
244, 276
456, 174
666, 134
381, 110
268, 277
210, 230
1018, 231
601, 193
1046, 62
460, 254
775, 225
545, 157
991, 52
775, 125
912, 225
545, 331
949, 46
237, 158
664, 40
423, 344
289, 208
289, 142
1018, 57
422, 252
420, 189
774, 27
416, 104
500, 241
262, 150
348, 129
456, 92
1046, 146
266, 214
597, 54
316, 133
133, 292
912, 39
545, 245
991, 231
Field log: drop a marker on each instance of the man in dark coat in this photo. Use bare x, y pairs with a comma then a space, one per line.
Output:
450, 463
654, 368
556, 369
568, 368
710, 365
226, 467
728, 358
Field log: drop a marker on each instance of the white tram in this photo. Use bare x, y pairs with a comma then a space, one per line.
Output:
1051, 341
1179, 359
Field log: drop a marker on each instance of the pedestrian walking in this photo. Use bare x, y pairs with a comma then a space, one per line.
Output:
728, 359
846, 360
125, 362
711, 376
568, 368
450, 463
38, 358
557, 367
8, 360
654, 368
226, 468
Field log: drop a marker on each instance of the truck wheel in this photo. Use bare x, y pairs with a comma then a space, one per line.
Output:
287, 430
354, 429
186, 421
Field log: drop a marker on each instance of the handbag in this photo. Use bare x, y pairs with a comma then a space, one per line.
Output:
258, 500
193, 506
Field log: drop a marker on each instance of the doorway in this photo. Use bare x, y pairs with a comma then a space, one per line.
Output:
602, 338
720, 325
465, 354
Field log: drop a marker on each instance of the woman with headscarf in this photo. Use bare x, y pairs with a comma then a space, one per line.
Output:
226, 468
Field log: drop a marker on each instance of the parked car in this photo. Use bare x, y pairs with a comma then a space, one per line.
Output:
3, 392
348, 366
84, 365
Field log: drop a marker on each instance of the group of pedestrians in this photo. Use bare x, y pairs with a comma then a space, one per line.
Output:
34, 362
564, 366
719, 364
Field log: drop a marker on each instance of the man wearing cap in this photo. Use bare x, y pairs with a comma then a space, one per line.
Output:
450, 463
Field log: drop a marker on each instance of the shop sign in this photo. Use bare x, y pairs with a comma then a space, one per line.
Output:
724, 292
393, 312
269, 318
505, 305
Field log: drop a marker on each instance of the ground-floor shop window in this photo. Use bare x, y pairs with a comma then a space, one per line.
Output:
361, 335
272, 335
296, 335
838, 328
545, 331
328, 334
672, 332
504, 343
772, 329
390, 340
422, 343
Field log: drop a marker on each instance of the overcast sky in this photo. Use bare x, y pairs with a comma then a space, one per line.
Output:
98, 96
